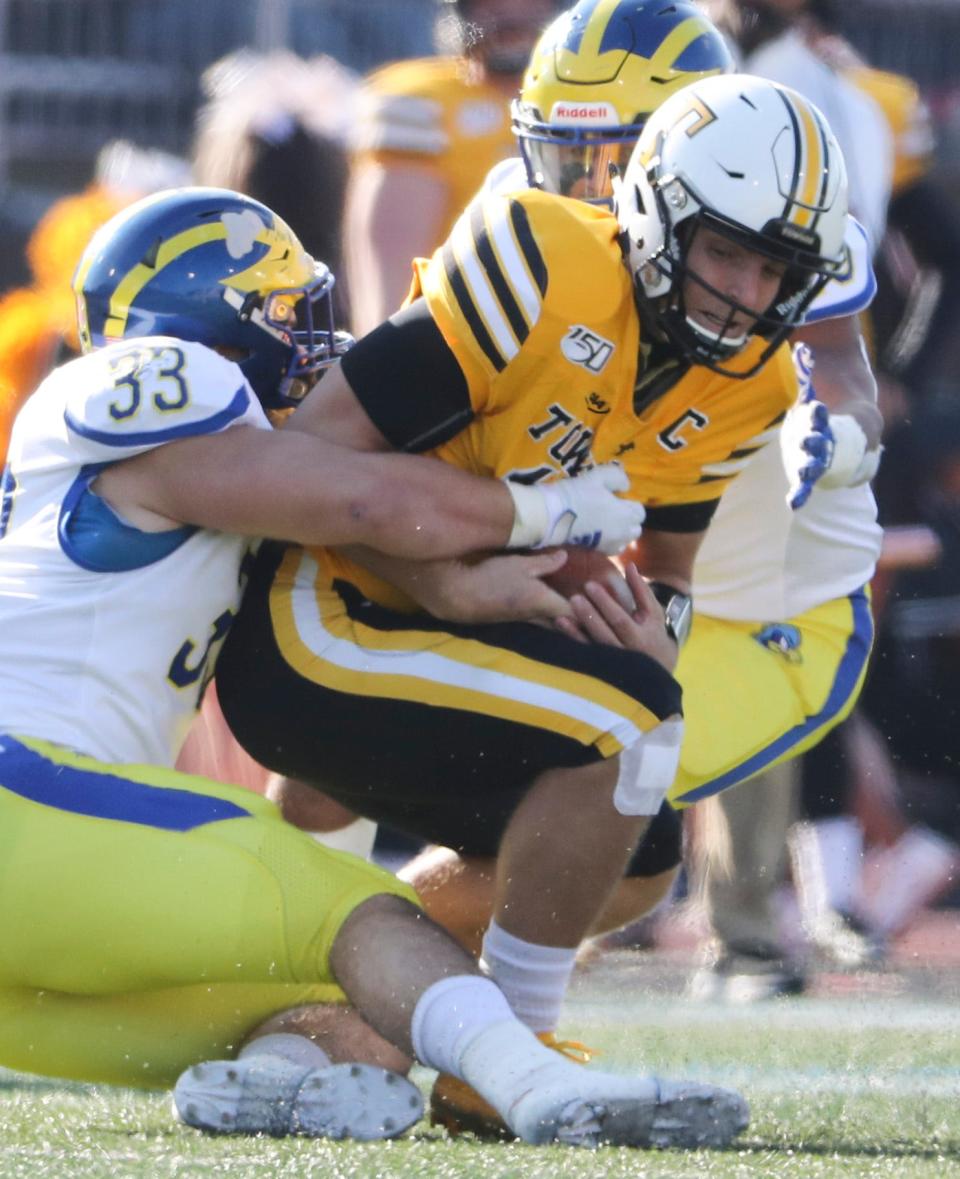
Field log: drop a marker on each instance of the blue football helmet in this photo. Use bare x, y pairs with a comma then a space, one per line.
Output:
219, 268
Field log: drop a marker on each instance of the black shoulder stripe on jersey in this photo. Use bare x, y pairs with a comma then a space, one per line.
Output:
408, 381
498, 280
531, 251
469, 309
775, 421
681, 517
743, 452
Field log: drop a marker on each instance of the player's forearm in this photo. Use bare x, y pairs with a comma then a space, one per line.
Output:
842, 377
424, 509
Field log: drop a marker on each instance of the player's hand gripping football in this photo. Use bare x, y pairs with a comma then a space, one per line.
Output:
603, 614
806, 439
582, 511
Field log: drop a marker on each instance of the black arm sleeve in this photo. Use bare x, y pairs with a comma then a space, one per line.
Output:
409, 382
681, 517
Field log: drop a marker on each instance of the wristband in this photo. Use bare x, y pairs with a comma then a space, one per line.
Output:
529, 516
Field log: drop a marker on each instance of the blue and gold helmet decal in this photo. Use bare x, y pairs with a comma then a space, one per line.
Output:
618, 60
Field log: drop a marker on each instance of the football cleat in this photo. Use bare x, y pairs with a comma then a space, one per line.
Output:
459, 1108
601, 1109
269, 1095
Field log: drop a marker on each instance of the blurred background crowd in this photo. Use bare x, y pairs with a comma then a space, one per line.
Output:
102, 101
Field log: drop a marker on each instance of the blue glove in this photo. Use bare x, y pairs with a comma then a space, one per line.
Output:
806, 439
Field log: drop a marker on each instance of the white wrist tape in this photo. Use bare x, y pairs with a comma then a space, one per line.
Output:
852, 463
529, 516
542, 517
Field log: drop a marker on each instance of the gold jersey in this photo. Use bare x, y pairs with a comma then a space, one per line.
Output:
438, 113
532, 296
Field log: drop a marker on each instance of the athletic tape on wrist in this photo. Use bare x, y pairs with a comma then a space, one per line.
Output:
852, 463
529, 516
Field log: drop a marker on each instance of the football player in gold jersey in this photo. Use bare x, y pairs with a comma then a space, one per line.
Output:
545, 336
431, 130
584, 98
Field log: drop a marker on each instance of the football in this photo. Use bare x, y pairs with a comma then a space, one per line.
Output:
583, 565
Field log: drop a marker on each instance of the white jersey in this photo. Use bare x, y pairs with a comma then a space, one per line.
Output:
760, 561
108, 633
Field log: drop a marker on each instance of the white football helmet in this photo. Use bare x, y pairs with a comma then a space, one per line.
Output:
751, 160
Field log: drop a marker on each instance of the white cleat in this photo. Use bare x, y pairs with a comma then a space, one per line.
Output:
268, 1095
608, 1110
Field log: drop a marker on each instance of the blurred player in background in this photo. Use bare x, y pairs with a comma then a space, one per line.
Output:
38, 323
277, 127
429, 132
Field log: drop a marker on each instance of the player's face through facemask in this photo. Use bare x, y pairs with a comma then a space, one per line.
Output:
727, 286
579, 170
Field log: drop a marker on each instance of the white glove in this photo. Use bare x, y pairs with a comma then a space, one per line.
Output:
581, 511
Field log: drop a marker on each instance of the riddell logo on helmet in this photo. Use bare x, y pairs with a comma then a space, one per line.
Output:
583, 112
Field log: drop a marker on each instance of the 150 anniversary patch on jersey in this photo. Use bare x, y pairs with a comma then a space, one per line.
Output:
582, 346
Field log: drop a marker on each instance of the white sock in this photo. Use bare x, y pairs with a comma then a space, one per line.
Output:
534, 978
841, 852
463, 1025
506, 1061
288, 1046
450, 1013
357, 837
915, 870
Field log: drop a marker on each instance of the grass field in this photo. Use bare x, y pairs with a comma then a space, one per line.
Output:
863, 1083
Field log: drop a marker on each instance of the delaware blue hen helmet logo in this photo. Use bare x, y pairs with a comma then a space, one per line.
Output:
782, 638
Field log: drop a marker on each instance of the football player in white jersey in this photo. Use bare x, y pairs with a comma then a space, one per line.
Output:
154, 920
